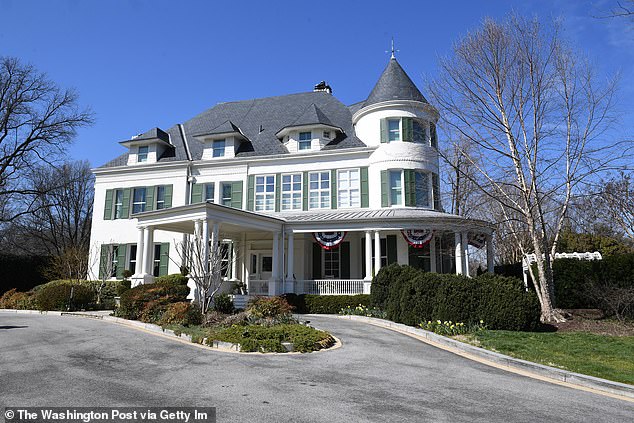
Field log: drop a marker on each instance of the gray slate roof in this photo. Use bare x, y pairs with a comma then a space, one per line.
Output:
312, 116
226, 127
394, 84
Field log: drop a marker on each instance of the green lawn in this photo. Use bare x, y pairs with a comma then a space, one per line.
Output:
608, 357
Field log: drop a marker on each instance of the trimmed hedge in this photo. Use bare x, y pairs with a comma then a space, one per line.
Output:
13, 299
324, 304
175, 278
183, 313
58, 297
149, 302
411, 296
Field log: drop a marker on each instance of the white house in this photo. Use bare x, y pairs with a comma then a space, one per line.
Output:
308, 195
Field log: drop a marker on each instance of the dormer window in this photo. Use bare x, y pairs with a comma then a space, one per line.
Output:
305, 140
327, 135
218, 148
142, 154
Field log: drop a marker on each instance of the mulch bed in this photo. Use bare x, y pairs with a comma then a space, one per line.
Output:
592, 321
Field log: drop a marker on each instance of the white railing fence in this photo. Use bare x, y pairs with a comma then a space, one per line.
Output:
330, 286
258, 287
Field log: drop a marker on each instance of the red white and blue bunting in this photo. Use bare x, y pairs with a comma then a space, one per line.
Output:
478, 240
417, 238
329, 240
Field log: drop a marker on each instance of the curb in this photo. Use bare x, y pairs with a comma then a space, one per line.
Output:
502, 361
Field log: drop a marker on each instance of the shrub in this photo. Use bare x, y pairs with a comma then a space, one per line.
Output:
394, 273
58, 297
123, 287
263, 307
18, 300
449, 328
134, 301
183, 313
175, 278
223, 304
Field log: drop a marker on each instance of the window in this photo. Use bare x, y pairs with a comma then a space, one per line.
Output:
132, 260
160, 197
332, 264
138, 202
115, 261
265, 193
209, 192
348, 188
394, 129
142, 154
118, 203
422, 190
419, 131
157, 260
292, 192
226, 194
305, 140
327, 135
420, 258
319, 190
218, 148
396, 188
225, 259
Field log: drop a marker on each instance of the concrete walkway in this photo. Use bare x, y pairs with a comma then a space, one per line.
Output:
378, 375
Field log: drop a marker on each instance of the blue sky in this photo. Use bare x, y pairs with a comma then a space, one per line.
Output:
146, 63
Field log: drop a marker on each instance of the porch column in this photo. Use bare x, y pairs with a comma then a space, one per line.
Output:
377, 252
205, 241
465, 254
138, 271
290, 269
234, 261
148, 251
432, 254
490, 264
368, 256
459, 266
275, 271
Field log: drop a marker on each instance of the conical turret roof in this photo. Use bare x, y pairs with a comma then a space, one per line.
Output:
394, 84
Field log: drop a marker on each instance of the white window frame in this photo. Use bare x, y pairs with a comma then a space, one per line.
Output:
114, 251
213, 192
117, 206
132, 258
160, 198
141, 204
216, 149
266, 197
289, 196
156, 261
142, 156
391, 189
400, 129
301, 143
347, 192
327, 135
320, 191
223, 199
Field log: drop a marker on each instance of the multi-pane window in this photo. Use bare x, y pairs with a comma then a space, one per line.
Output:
157, 260
209, 192
418, 131
160, 197
138, 200
396, 188
348, 188
265, 193
422, 190
292, 192
225, 259
394, 129
132, 265
142, 154
218, 148
226, 194
305, 140
114, 260
319, 190
327, 135
118, 203
332, 264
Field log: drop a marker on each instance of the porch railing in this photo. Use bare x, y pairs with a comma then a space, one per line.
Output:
258, 287
330, 287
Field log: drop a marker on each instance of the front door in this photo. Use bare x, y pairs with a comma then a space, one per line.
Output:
261, 266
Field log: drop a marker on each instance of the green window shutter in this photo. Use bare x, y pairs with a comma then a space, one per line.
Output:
436, 192
121, 254
362, 256
333, 189
236, 194
103, 260
385, 189
149, 198
365, 194
316, 261
197, 193
107, 210
125, 208
278, 191
408, 129
167, 196
165, 258
305, 191
390, 242
344, 259
409, 180
384, 130
251, 192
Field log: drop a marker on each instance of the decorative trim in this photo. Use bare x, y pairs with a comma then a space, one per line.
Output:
329, 240
417, 238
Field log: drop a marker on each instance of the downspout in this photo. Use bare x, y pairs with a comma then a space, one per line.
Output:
190, 178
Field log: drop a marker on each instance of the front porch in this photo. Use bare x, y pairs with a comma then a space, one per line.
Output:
266, 254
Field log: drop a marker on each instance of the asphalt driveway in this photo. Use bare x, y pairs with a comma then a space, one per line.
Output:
378, 375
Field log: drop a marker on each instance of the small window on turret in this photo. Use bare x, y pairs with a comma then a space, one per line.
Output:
394, 129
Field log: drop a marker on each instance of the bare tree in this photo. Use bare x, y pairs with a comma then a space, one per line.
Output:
105, 255
207, 267
38, 120
535, 113
617, 199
